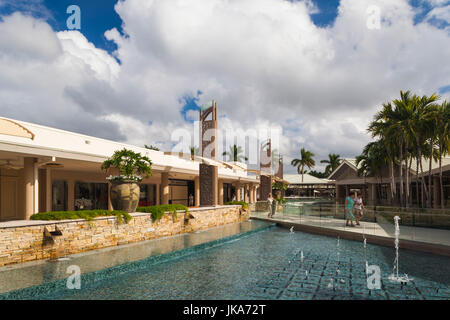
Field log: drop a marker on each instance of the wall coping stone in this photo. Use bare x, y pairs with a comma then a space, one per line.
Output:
33, 223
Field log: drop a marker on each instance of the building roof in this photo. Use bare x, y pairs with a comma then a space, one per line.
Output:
351, 163
307, 179
52, 142
345, 162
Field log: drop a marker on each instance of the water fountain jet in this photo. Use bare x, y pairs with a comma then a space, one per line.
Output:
394, 277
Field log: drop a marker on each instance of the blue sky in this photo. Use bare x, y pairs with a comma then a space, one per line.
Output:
325, 71
99, 16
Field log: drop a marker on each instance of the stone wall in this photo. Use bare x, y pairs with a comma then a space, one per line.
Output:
265, 187
208, 184
22, 241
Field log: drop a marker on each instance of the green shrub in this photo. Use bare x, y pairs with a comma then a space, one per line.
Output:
281, 200
158, 211
132, 166
88, 215
241, 203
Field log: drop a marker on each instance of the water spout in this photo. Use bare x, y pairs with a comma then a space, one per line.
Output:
394, 277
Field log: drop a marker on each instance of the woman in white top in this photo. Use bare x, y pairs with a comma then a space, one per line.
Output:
359, 206
270, 201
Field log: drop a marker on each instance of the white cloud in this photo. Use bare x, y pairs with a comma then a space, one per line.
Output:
264, 61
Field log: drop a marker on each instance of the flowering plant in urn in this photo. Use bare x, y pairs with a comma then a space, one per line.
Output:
132, 168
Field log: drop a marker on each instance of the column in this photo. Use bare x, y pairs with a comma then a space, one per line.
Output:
110, 206
246, 193
251, 193
48, 190
197, 191
165, 187
220, 193
35, 187
28, 174
238, 191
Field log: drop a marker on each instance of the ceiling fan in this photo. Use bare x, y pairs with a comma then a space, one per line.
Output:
9, 165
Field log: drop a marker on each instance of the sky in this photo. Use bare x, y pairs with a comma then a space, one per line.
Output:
138, 70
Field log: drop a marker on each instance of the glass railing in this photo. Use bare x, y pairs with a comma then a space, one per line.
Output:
428, 225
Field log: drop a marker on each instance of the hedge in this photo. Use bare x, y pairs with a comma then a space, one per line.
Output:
240, 203
158, 211
84, 214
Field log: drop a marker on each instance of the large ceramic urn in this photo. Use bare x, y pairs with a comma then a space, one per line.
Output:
125, 195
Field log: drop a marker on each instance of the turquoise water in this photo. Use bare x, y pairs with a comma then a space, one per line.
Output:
262, 264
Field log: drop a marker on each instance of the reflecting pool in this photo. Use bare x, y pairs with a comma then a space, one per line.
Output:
260, 261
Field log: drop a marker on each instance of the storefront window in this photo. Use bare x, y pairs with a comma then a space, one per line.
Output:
147, 195
91, 196
59, 196
181, 191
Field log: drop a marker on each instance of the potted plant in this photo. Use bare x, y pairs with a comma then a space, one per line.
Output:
132, 168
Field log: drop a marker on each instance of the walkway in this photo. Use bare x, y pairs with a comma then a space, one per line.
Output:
381, 228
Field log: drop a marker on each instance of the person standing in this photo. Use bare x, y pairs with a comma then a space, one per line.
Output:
270, 202
359, 206
349, 217
274, 207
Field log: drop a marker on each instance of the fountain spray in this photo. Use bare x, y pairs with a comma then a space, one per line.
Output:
394, 276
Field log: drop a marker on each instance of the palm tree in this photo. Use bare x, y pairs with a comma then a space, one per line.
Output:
235, 154
317, 174
406, 126
381, 127
194, 151
150, 147
333, 162
443, 139
421, 123
373, 160
306, 160
402, 127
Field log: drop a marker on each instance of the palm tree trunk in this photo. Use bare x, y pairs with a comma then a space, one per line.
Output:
408, 183
440, 177
417, 182
406, 174
303, 172
429, 175
401, 172
393, 189
424, 187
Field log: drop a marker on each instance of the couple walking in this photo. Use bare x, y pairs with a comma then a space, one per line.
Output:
353, 207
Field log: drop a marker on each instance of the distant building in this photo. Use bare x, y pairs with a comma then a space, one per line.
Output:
47, 169
377, 190
309, 186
